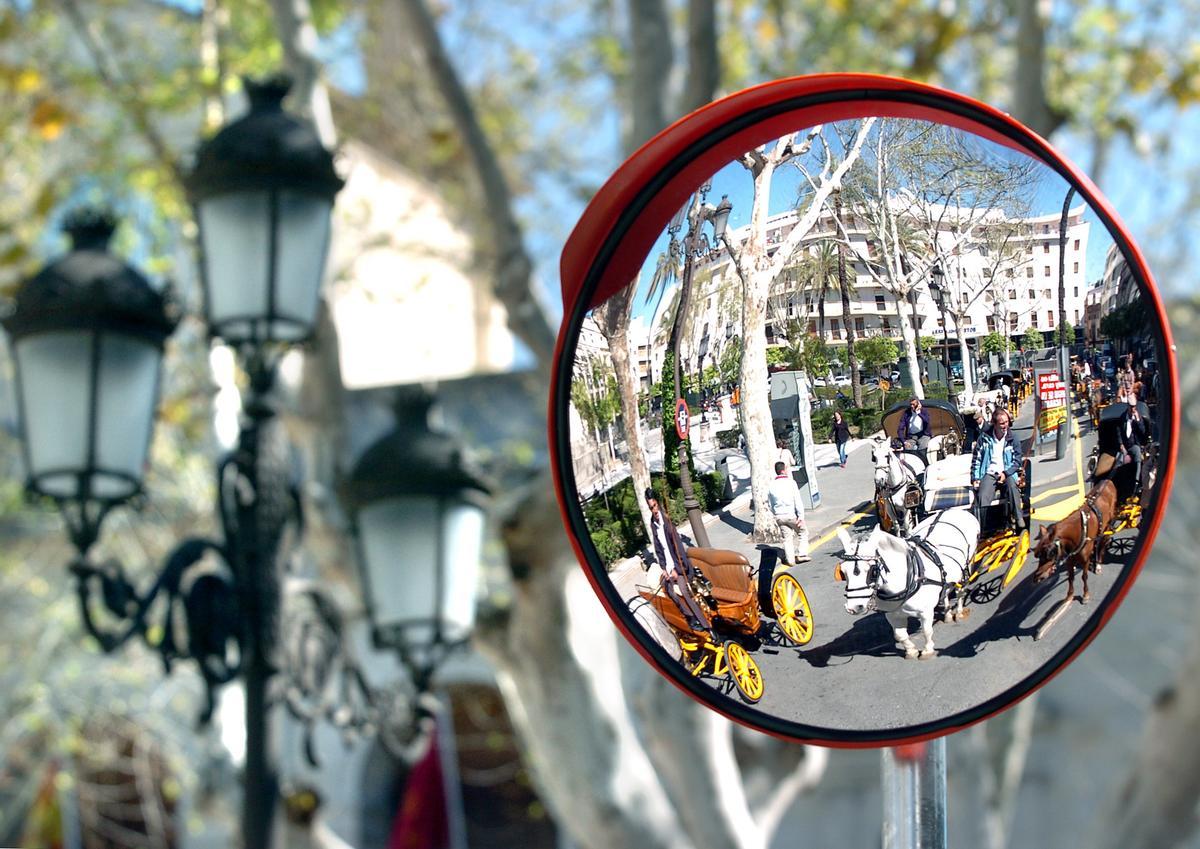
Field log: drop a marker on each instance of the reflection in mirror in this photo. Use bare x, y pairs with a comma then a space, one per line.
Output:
873, 374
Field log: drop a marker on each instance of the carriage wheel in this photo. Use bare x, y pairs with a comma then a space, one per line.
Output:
792, 612
985, 592
744, 672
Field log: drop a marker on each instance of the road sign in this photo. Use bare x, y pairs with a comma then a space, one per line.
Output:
1051, 389
683, 418
1051, 417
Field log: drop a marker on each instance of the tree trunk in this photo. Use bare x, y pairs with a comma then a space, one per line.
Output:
844, 287
908, 341
614, 324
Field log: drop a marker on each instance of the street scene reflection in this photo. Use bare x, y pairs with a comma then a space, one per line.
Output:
873, 375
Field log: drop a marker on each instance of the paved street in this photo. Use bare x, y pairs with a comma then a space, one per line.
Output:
851, 675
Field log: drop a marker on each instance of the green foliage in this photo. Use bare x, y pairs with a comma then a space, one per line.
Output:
927, 345
615, 523
1070, 334
822, 424
777, 356
1033, 339
729, 438
730, 366
996, 343
874, 352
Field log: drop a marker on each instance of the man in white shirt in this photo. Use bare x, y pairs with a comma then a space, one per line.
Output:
784, 499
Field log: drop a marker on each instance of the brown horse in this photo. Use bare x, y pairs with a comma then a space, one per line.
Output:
1078, 540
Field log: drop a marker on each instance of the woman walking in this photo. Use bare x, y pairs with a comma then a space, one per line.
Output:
841, 435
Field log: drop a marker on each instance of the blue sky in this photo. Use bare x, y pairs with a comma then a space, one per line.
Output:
733, 180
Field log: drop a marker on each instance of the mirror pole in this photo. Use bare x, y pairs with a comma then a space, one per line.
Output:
914, 796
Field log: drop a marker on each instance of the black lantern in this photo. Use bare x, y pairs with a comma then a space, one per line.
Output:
720, 219
263, 190
419, 517
87, 333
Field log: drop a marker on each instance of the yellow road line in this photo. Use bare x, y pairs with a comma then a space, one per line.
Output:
1061, 509
845, 523
1042, 496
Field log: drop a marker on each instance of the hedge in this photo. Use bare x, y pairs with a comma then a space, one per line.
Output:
616, 526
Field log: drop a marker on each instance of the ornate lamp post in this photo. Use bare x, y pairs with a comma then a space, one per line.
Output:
696, 245
937, 289
419, 521
88, 333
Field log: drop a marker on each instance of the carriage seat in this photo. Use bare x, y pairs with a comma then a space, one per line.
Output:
727, 571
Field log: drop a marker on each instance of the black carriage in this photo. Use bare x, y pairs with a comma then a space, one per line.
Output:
1109, 461
946, 427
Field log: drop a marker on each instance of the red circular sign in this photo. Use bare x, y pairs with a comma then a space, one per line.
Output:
683, 418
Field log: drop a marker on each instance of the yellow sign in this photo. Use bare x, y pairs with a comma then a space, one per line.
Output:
1051, 418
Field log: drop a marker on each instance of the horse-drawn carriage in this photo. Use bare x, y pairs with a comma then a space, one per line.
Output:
1109, 461
908, 491
1007, 382
898, 472
735, 608
1099, 396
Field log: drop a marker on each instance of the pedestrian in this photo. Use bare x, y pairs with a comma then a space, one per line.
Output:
1125, 379
995, 463
678, 571
1134, 433
784, 499
841, 435
785, 454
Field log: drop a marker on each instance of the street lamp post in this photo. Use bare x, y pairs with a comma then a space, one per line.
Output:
937, 289
696, 245
88, 333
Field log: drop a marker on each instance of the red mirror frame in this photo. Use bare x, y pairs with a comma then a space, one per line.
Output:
619, 226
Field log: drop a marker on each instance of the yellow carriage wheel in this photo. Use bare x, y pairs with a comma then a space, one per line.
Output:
791, 609
744, 672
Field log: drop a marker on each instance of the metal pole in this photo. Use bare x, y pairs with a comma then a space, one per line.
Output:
695, 519
914, 796
1060, 445
259, 512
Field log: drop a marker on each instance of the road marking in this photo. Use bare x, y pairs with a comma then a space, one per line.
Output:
1059, 510
845, 523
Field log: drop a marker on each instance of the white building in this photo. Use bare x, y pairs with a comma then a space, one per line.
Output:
1009, 289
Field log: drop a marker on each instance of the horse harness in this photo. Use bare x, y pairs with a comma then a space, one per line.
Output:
1090, 505
917, 577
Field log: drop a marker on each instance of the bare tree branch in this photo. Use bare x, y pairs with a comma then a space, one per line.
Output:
703, 72
293, 20
111, 74
505, 249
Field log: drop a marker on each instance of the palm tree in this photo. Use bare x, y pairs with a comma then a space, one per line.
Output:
817, 271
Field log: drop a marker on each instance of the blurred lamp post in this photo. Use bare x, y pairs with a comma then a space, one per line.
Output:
88, 333
419, 520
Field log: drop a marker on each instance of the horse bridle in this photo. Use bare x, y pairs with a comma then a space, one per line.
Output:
916, 572
1090, 504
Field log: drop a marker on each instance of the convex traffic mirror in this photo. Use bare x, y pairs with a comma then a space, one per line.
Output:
864, 413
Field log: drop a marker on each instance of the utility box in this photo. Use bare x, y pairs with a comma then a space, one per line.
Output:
791, 418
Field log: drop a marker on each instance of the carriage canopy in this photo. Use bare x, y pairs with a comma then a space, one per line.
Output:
943, 418
1012, 378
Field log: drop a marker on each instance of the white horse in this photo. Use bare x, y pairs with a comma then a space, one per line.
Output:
905, 578
896, 475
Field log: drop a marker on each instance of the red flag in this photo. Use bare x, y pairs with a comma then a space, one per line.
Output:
422, 822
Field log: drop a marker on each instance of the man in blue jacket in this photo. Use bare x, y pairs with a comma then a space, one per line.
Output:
995, 463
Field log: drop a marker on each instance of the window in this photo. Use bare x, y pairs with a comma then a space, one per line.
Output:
1077, 288
1029, 271
1045, 247
859, 327
1012, 294
1076, 319
1050, 317
887, 325
1012, 324
879, 303
987, 273
1076, 271
1046, 273
1076, 244
1045, 293
837, 331
1009, 272
812, 327
1045, 228
991, 324
1032, 294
